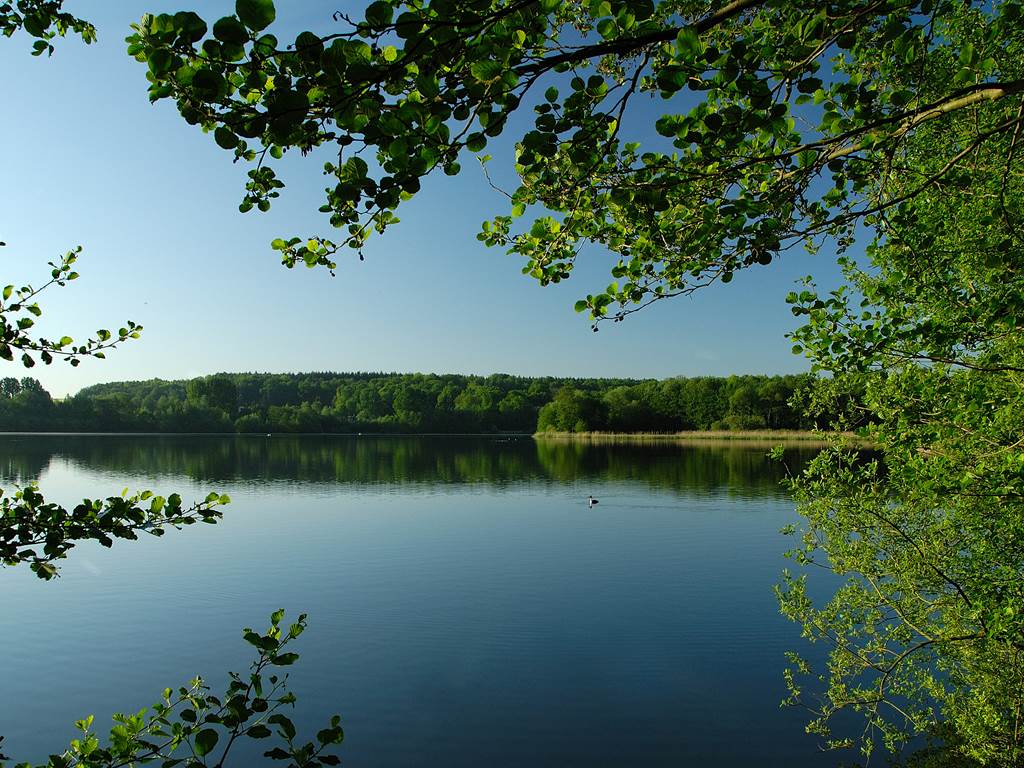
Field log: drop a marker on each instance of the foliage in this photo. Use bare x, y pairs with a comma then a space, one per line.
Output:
216, 392
19, 307
928, 630
780, 119
33, 530
376, 402
44, 20
28, 522
572, 410
192, 728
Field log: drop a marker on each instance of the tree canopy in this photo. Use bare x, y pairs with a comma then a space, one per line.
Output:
780, 125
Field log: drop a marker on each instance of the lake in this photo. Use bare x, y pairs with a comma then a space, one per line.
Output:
466, 607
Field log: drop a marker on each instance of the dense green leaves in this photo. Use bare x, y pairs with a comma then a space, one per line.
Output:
777, 120
256, 14
928, 628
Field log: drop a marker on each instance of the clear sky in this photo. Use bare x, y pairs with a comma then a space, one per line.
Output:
154, 202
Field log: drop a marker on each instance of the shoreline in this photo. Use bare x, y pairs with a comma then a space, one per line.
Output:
739, 436
753, 438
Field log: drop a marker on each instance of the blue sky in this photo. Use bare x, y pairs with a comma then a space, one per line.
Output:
154, 203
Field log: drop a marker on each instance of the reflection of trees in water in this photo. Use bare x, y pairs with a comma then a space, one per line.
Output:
675, 466
23, 459
377, 459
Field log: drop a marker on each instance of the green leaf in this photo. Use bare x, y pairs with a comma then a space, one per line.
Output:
225, 138
230, 30
190, 26
358, 52
379, 14
265, 45
208, 83
256, 14
688, 42
160, 61
486, 71
355, 169
285, 724
205, 741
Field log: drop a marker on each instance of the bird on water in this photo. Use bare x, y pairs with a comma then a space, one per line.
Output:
591, 501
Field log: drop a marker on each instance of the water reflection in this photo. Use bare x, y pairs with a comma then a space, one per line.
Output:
733, 468
456, 586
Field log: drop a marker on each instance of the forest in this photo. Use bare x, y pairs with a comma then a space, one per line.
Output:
409, 403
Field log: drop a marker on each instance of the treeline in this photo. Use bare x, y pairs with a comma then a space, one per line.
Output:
414, 403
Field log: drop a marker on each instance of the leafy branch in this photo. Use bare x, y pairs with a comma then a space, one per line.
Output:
44, 20
38, 532
19, 308
192, 728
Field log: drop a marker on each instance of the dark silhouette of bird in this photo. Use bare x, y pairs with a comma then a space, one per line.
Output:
591, 501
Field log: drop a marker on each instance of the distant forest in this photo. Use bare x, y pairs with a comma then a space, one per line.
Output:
380, 402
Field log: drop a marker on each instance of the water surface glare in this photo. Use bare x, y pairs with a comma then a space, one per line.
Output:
466, 608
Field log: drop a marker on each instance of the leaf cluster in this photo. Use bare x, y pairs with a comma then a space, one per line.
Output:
927, 633
39, 533
43, 20
779, 120
19, 309
192, 728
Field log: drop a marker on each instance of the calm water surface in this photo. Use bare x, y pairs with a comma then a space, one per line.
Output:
466, 608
